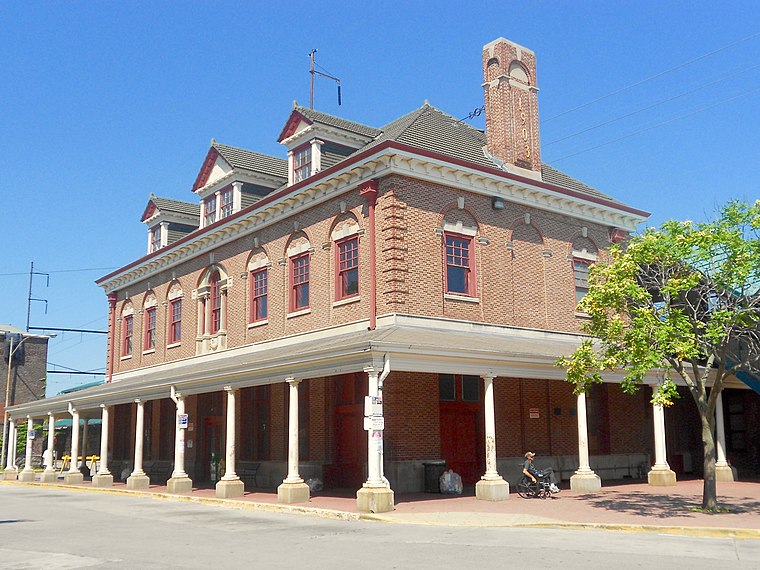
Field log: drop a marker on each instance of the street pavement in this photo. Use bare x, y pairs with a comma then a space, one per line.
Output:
620, 506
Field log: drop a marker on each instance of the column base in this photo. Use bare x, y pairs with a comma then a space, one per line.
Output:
102, 480
27, 476
292, 493
661, 478
492, 490
585, 482
229, 489
138, 482
10, 475
179, 486
48, 477
725, 473
73, 478
374, 500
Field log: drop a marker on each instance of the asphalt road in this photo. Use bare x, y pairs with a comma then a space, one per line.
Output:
55, 528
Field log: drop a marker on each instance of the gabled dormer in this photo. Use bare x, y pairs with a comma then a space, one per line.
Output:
168, 220
234, 178
316, 141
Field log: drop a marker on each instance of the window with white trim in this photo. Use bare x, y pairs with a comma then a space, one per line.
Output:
225, 203
301, 163
580, 273
299, 282
259, 293
209, 210
347, 268
460, 264
126, 341
175, 320
155, 238
215, 298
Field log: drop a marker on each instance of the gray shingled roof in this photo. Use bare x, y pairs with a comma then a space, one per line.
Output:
325, 119
176, 206
253, 161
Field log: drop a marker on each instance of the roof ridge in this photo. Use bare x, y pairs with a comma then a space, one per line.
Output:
217, 145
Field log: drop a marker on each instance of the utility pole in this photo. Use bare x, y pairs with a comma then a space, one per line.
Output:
314, 72
29, 299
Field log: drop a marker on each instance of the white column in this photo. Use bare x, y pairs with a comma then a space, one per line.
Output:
583, 459
85, 435
104, 429
660, 451
490, 418
293, 476
237, 196
28, 458
11, 445
720, 428
139, 429
74, 468
229, 474
164, 234
374, 437
50, 467
179, 438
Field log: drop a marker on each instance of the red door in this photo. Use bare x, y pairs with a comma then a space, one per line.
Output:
350, 439
461, 427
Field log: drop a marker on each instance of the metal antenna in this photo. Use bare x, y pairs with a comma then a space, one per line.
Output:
29, 299
314, 72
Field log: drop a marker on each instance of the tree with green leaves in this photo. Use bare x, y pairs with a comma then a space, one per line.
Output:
682, 303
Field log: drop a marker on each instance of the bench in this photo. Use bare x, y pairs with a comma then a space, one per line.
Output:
248, 474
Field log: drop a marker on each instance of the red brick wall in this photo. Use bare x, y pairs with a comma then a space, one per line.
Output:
412, 421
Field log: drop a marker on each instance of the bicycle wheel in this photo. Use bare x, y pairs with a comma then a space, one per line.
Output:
525, 488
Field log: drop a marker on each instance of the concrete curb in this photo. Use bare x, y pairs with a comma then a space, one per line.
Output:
705, 532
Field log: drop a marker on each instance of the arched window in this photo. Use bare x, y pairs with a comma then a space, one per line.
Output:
127, 329
215, 298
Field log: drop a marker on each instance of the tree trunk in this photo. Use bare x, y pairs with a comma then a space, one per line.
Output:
710, 493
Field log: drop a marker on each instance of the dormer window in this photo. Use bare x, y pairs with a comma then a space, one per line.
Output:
302, 163
155, 238
209, 210
225, 207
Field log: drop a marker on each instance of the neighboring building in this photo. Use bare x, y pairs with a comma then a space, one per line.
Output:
426, 264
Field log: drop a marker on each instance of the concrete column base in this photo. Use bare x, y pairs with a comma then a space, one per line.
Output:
585, 482
73, 478
374, 500
292, 493
138, 482
27, 476
10, 475
102, 480
229, 489
725, 473
492, 490
48, 477
662, 478
179, 486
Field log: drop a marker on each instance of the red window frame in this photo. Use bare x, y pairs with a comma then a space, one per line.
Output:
459, 251
259, 290
155, 238
225, 205
301, 163
175, 321
215, 298
299, 282
209, 210
127, 330
347, 268
150, 329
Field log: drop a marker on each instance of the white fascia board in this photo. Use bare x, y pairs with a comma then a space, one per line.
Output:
239, 175
328, 133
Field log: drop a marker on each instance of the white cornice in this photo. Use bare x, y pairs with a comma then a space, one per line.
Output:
240, 175
385, 162
329, 133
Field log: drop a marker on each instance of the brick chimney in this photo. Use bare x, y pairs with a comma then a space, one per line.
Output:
511, 100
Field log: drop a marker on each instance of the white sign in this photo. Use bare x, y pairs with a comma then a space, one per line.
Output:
182, 421
31, 434
373, 406
375, 423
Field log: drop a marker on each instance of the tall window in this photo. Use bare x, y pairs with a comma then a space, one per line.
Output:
347, 264
215, 298
175, 321
259, 295
302, 163
126, 345
209, 210
299, 278
150, 329
580, 271
459, 265
155, 238
225, 203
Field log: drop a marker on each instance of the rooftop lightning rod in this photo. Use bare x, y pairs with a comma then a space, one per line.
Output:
314, 72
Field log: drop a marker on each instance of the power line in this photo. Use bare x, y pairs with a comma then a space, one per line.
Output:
641, 110
655, 76
62, 271
696, 111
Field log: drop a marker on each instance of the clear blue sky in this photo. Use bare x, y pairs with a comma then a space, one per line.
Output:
103, 103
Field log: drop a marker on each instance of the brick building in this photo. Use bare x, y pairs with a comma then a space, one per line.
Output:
380, 299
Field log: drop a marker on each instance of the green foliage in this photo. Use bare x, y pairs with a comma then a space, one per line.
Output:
21, 440
676, 300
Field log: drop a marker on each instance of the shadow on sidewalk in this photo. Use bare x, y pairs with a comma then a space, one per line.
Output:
668, 506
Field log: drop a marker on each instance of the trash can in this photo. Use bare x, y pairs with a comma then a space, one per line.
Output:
433, 472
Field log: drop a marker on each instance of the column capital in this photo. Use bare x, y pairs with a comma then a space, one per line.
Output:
292, 380
371, 370
103, 406
138, 401
231, 388
488, 376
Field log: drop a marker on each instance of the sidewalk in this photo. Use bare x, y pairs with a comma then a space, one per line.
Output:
619, 506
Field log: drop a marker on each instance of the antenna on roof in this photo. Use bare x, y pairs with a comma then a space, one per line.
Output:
314, 72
